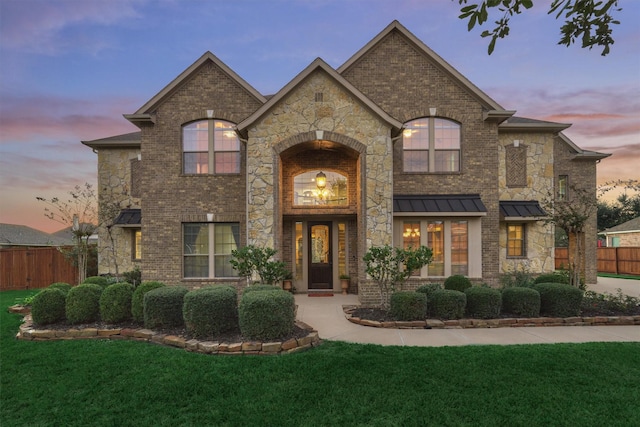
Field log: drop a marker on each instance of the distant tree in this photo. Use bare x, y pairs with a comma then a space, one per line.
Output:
80, 214
587, 20
625, 208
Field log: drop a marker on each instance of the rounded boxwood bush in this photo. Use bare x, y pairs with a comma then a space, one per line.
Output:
559, 299
457, 282
97, 280
137, 300
428, 289
551, 278
483, 302
448, 304
48, 306
267, 315
163, 307
211, 311
254, 288
521, 301
406, 305
64, 287
115, 303
83, 303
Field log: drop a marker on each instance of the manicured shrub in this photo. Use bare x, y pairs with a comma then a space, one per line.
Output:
64, 287
115, 303
428, 289
521, 301
559, 300
48, 306
98, 280
254, 288
406, 305
483, 302
83, 303
552, 278
137, 301
163, 307
448, 304
267, 315
211, 311
457, 282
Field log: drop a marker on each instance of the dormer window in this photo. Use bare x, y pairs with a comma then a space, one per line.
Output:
431, 145
210, 147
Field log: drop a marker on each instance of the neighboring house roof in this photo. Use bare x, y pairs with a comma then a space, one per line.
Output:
127, 140
21, 235
521, 210
144, 113
466, 204
67, 234
318, 64
129, 218
631, 226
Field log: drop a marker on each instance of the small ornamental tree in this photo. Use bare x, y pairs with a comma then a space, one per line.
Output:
390, 267
251, 260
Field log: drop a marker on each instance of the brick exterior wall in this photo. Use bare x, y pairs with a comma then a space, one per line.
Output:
171, 198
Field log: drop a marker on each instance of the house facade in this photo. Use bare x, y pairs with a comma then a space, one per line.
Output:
393, 147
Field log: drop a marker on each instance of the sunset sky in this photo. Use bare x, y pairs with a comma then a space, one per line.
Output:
69, 69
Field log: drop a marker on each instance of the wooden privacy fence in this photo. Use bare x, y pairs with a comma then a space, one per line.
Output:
622, 260
34, 268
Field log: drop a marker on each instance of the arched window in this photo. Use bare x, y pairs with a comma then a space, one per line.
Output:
318, 188
431, 145
210, 147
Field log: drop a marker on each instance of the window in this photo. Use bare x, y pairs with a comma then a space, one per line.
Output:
318, 188
431, 145
459, 247
515, 240
207, 249
136, 250
411, 238
563, 183
210, 146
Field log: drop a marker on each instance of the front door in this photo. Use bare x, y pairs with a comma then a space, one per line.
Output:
320, 260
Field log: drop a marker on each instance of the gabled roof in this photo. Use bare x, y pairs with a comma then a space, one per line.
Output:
21, 235
490, 104
451, 204
127, 140
318, 64
631, 226
583, 154
144, 113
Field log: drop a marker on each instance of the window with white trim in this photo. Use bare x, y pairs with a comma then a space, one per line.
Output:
431, 145
207, 249
210, 147
449, 240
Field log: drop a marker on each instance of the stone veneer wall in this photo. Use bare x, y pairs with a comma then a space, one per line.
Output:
338, 113
539, 185
115, 186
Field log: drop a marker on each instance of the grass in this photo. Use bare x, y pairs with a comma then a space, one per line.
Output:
619, 276
106, 383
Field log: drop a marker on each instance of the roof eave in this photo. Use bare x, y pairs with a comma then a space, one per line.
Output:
497, 116
533, 127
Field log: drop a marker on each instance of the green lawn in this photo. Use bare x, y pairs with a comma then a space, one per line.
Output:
122, 383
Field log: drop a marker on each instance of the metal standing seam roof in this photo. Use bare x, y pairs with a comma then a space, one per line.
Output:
521, 209
458, 203
129, 217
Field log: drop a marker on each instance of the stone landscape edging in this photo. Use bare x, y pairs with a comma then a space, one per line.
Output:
28, 333
493, 323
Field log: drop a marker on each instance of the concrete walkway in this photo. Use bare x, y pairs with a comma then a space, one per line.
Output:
326, 316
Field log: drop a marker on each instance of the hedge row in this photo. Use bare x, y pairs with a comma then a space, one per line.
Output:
482, 302
264, 312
